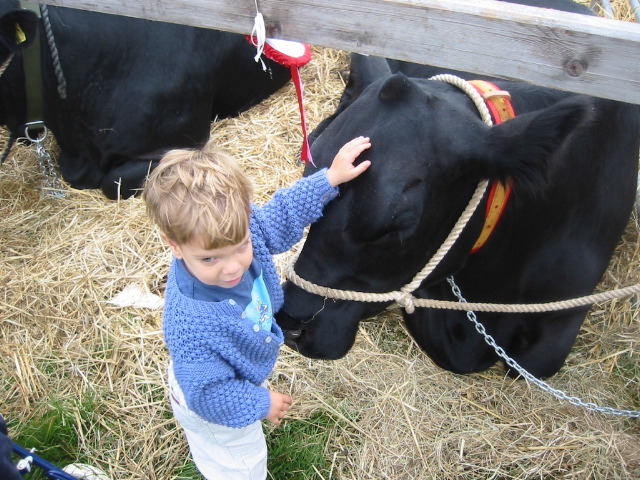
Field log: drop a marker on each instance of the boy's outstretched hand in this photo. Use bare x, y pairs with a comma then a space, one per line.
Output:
342, 169
280, 403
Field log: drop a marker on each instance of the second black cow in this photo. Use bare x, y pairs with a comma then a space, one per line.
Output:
133, 88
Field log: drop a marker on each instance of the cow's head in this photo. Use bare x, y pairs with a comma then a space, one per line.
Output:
429, 152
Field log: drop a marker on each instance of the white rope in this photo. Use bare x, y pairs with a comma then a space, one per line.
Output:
473, 94
530, 307
259, 36
403, 297
6, 63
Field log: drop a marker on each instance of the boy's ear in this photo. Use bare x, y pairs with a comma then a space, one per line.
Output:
175, 248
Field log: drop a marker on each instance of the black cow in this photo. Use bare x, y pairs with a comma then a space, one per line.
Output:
573, 160
134, 89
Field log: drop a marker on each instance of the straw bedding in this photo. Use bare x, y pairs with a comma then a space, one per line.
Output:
393, 414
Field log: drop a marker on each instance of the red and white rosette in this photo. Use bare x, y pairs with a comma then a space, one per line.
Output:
292, 55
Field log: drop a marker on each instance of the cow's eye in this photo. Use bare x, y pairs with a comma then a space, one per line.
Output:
412, 184
386, 238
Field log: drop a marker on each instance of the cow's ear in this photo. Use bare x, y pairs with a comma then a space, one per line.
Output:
18, 29
521, 148
363, 72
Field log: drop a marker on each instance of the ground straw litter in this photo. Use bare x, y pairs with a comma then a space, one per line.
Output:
392, 413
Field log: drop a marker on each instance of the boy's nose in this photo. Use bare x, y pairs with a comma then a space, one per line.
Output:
231, 267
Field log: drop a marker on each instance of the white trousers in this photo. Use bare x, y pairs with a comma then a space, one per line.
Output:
219, 452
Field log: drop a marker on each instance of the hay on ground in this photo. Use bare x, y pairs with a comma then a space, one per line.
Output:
394, 414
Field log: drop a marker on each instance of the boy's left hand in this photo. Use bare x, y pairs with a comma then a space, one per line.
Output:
280, 403
342, 168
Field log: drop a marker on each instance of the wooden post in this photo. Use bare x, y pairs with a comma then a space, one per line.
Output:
590, 55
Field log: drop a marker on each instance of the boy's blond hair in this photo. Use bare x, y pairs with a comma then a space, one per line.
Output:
199, 193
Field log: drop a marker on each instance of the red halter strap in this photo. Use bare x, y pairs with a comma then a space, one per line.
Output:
499, 104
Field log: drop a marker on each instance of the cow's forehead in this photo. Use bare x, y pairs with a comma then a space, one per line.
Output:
419, 126
416, 105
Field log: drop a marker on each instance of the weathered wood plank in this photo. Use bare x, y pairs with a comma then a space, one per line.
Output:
590, 55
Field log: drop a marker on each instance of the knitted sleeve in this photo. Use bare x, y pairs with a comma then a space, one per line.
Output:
220, 397
283, 219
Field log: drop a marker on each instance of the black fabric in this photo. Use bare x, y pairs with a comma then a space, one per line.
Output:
8, 470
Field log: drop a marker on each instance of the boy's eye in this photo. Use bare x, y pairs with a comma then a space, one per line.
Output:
209, 259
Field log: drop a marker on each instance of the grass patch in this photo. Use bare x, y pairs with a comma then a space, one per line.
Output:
53, 432
628, 367
297, 448
187, 471
297, 451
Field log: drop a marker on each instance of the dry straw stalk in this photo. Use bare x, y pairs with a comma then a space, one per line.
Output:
396, 415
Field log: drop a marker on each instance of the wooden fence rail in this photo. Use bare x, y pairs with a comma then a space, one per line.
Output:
590, 55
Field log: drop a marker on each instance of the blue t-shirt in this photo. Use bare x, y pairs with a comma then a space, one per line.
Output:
250, 294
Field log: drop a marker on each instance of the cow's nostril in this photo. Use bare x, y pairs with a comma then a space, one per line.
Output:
291, 337
292, 334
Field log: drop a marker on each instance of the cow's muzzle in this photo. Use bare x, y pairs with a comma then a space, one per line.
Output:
291, 337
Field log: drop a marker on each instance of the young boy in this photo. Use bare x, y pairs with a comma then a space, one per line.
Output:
222, 292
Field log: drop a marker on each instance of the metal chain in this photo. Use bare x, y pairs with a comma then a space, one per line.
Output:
51, 181
51, 184
559, 394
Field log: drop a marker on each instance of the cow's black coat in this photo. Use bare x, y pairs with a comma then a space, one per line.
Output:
573, 160
135, 89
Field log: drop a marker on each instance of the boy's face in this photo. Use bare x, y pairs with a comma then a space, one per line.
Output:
222, 267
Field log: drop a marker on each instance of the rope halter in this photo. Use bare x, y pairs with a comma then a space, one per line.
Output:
404, 297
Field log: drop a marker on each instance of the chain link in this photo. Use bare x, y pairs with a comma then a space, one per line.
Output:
559, 394
51, 184
51, 181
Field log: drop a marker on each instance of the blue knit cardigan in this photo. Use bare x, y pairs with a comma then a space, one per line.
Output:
219, 359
